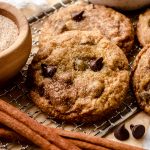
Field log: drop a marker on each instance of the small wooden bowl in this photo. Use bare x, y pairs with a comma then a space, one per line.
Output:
14, 58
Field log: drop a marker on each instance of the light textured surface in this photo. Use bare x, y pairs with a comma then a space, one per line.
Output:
7, 37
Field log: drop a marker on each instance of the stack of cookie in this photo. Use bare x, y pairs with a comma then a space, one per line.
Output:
81, 73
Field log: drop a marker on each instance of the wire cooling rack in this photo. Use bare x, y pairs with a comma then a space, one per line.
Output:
16, 93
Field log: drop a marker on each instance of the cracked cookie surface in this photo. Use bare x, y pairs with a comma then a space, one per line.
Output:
78, 76
112, 24
141, 78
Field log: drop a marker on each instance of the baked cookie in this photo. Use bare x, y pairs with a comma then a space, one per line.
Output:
82, 16
141, 78
78, 76
143, 28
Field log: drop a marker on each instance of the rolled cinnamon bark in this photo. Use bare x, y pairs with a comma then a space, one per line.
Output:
11, 136
50, 134
87, 146
97, 140
23, 130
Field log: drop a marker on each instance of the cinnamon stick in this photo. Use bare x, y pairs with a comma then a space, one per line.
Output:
77, 139
11, 136
87, 146
97, 140
50, 134
20, 128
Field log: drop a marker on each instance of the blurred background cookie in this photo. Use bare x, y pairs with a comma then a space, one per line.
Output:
82, 16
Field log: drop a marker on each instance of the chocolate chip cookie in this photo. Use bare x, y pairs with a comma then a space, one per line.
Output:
78, 76
82, 16
141, 78
143, 28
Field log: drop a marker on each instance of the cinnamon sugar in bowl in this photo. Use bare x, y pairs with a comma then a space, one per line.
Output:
8, 32
15, 41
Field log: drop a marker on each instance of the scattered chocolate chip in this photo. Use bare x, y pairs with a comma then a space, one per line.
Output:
78, 16
96, 65
121, 133
48, 71
80, 65
137, 130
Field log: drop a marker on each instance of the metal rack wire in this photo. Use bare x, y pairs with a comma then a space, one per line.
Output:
16, 93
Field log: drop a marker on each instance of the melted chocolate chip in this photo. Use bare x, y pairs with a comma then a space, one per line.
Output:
121, 133
48, 71
137, 131
78, 16
96, 65
41, 90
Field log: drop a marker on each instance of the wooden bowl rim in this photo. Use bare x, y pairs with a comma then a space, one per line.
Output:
22, 25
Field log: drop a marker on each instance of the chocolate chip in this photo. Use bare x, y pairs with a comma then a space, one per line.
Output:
41, 90
48, 71
137, 130
96, 65
78, 16
121, 133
